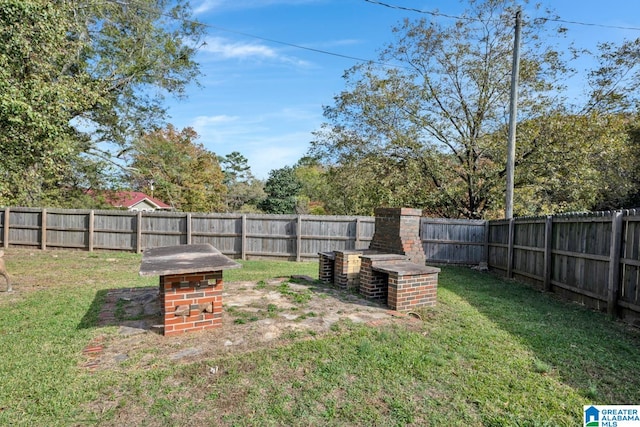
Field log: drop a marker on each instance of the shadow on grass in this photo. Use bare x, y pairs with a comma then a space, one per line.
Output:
593, 354
137, 308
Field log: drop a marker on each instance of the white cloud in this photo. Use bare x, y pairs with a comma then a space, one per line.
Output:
276, 152
222, 48
201, 121
214, 5
228, 50
207, 5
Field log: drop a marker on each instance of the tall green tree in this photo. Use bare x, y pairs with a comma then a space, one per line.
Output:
316, 190
78, 81
244, 191
174, 168
282, 188
435, 110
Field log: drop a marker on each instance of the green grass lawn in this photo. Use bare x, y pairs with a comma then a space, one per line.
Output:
491, 353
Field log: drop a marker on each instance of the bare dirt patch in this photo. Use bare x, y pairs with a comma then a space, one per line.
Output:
256, 315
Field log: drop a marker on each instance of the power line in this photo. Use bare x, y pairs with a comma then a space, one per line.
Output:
325, 52
215, 27
616, 27
426, 12
466, 18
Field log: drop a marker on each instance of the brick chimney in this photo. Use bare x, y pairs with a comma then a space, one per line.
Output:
398, 232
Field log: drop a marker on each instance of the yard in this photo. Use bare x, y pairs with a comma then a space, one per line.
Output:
492, 352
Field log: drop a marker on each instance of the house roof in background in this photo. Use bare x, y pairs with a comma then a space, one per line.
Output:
128, 199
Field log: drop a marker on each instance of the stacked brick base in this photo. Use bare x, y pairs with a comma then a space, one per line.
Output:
409, 292
326, 266
373, 283
346, 272
390, 278
191, 302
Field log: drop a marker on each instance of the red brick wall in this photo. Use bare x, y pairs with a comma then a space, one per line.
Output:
346, 274
373, 284
326, 267
409, 292
398, 231
191, 302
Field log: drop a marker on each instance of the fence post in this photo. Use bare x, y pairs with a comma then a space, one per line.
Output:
43, 229
299, 238
243, 238
487, 224
356, 244
548, 242
614, 263
512, 226
188, 227
5, 238
91, 229
139, 232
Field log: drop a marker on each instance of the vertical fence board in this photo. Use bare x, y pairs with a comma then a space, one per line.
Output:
5, 227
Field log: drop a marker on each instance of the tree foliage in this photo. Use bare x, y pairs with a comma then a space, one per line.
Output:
282, 188
431, 131
244, 191
178, 171
75, 75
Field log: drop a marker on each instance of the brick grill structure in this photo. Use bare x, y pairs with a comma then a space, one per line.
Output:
191, 302
392, 269
190, 285
398, 232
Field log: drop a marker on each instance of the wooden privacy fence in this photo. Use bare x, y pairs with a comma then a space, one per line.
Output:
592, 259
240, 236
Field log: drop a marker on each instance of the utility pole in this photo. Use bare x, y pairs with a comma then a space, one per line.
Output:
513, 112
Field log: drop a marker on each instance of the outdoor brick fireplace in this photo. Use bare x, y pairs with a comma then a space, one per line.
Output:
398, 232
392, 270
190, 285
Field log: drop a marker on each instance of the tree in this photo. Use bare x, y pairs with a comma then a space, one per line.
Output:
282, 188
436, 111
170, 166
75, 75
244, 191
316, 191
573, 162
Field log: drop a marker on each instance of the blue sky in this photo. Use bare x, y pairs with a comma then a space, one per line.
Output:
264, 99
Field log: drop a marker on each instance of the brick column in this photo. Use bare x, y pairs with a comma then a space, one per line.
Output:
346, 273
373, 284
407, 292
398, 231
326, 266
191, 302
